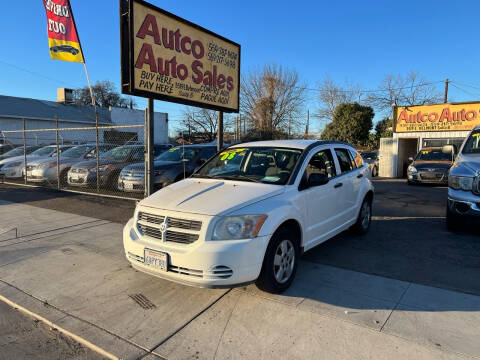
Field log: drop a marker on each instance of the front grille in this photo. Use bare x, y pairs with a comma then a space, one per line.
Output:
172, 222
30, 167
149, 224
476, 185
79, 170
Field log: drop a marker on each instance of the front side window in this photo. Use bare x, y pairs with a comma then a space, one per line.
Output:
45, 151
472, 146
321, 163
268, 165
344, 159
178, 153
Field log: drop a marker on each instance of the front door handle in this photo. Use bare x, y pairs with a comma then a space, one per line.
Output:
338, 185
359, 176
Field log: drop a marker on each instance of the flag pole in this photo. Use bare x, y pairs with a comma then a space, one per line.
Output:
94, 103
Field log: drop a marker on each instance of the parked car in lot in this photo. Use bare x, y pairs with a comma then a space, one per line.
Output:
229, 224
371, 159
5, 148
84, 173
430, 166
464, 182
13, 167
17, 151
45, 169
171, 166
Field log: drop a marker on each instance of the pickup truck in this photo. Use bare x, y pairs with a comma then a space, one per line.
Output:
464, 182
249, 212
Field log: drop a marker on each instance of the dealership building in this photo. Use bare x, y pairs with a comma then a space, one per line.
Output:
416, 127
77, 122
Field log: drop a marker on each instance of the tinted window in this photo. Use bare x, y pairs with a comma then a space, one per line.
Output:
472, 146
344, 159
321, 163
207, 153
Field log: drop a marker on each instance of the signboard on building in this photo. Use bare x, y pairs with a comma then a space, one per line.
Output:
441, 117
168, 58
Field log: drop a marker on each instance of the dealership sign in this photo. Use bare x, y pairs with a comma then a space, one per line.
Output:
168, 58
442, 117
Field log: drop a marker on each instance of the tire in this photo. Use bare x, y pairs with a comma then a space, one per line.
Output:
364, 219
410, 183
453, 221
280, 262
374, 172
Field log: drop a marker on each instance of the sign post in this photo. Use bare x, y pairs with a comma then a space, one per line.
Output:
149, 139
220, 131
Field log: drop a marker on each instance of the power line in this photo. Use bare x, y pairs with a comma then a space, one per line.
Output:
465, 91
374, 90
467, 85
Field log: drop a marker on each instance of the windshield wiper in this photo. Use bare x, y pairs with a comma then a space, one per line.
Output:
238, 177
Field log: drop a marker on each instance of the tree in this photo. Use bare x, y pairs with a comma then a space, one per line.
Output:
105, 96
272, 100
330, 95
384, 128
351, 123
411, 89
201, 124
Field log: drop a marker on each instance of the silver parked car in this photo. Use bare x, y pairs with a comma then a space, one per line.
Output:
371, 159
45, 170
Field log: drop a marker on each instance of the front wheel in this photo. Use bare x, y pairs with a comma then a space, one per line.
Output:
280, 263
364, 219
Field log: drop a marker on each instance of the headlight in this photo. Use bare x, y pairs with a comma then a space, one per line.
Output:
460, 182
15, 164
104, 168
412, 169
238, 227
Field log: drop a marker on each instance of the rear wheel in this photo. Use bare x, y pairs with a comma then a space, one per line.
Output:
453, 221
364, 219
280, 262
374, 172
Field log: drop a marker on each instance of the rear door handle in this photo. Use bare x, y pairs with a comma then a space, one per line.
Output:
338, 185
359, 176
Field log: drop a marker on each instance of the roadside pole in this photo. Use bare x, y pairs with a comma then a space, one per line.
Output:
220, 131
149, 139
58, 152
24, 152
97, 165
445, 96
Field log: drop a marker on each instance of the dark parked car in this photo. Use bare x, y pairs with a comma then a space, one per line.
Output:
431, 166
65, 48
84, 173
171, 166
371, 159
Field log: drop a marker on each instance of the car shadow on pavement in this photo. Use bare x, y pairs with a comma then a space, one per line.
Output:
416, 250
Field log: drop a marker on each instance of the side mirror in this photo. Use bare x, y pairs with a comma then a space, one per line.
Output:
316, 179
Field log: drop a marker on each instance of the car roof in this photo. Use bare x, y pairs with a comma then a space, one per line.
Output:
295, 144
431, 148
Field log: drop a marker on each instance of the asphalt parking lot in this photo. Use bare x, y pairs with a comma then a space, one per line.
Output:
401, 291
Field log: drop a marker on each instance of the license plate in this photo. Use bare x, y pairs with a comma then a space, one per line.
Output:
29, 173
128, 186
74, 176
156, 259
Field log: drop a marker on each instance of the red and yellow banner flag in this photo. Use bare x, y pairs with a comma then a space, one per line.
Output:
63, 39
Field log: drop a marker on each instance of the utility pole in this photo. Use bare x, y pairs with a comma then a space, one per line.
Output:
149, 131
220, 131
308, 122
445, 97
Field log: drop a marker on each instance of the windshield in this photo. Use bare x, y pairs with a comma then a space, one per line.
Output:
123, 153
45, 151
259, 164
369, 155
472, 146
433, 155
14, 152
76, 151
178, 153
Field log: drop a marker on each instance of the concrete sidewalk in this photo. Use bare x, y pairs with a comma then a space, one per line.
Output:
71, 270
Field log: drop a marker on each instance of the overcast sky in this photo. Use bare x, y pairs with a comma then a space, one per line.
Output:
355, 41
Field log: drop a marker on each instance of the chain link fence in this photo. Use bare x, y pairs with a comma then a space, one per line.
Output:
103, 160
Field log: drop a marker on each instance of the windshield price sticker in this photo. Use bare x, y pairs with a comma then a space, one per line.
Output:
230, 154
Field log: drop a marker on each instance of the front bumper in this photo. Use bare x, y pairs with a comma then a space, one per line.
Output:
428, 177
11, 173
42, 175
463, 203
131, 184
203, 263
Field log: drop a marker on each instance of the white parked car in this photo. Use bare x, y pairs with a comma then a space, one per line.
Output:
232, 225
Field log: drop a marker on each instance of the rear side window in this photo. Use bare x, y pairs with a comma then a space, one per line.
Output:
344, 159
357, 158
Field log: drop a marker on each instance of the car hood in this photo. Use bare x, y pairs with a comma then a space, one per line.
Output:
432, 164
19, 158
158, 165
210, 197
467, 165
93, 163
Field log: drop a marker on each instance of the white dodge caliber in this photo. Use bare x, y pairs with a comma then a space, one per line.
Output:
249, 213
